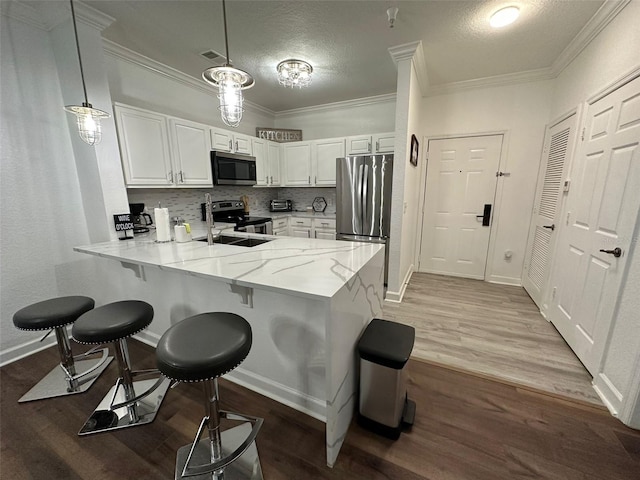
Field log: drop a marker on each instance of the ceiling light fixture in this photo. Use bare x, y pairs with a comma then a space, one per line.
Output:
294, 73
504, 17
88, 117
392, 13
230, 82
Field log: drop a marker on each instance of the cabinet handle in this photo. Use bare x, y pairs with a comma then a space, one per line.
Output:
315, 234
272, 180
323, 223
299, 221
369, 146
236, 145
181, 177
308, 233
309, 179
377, 145
170, 176
315, 179
230, 144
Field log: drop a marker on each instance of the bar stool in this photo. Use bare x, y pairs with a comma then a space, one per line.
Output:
54, 315
202, 348
128, 402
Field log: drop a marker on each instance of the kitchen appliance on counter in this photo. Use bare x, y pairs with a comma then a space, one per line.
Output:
278, 205
232, 169
232, 211
140, 219
363, 199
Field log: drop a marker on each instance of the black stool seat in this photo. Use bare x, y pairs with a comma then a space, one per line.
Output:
112, 322
52, 313
204, 346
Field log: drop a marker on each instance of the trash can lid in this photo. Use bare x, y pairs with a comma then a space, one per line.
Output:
386, 343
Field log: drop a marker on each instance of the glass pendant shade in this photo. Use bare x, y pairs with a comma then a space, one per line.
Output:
294, 73
88, 119
230, 82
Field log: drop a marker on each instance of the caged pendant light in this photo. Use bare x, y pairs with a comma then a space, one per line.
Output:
88, 117
230, 82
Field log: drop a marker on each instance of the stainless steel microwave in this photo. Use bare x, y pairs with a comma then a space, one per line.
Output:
232, 169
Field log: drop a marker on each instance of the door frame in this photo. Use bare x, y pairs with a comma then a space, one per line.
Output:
488, 276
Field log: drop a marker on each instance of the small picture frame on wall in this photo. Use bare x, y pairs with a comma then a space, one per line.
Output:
414, 151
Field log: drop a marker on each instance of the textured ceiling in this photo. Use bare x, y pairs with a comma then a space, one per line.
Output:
346, 41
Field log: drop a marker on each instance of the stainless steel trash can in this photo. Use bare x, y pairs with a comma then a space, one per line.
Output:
384, 349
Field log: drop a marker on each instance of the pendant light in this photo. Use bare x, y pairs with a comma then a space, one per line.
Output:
88, 117
230, 82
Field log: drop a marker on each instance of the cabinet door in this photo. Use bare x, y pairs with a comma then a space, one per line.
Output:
325, 234
384, 142
221, 140
191, 147
144, 145
300, 232
273, 155
242, 144
326, 152
297, 163
262, 164
359, 145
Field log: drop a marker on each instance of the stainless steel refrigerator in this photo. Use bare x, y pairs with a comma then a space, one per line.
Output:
363, 200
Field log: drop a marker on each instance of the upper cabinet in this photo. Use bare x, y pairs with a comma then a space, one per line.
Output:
162, 151
371, 144
296, 161
226, 141
190, 147
267, 156
324, 154
144, 146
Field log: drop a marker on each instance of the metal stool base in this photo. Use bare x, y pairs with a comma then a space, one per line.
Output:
246, 467
55, 383
103, 419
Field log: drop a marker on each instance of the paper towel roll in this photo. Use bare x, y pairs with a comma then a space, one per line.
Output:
163, 232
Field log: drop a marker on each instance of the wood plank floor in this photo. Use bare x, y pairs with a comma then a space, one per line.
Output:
493, 330
466, 427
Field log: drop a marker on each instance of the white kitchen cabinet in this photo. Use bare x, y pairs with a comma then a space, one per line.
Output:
371, 144
324, 228
267, 156
226, 141
300, 227
281, 226
297, 163
190, 148
144, 146
325, 152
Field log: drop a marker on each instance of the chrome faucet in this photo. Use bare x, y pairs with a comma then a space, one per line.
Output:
209, 215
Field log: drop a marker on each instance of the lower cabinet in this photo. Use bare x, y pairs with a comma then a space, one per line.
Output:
324, 228
280, 226
305, 227
300, 227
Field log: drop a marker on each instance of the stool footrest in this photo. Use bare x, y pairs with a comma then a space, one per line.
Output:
137, 398
190, 471
83, 356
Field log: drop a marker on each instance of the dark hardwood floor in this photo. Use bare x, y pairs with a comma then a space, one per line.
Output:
466, 427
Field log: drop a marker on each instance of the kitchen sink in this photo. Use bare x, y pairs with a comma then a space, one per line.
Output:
237, 241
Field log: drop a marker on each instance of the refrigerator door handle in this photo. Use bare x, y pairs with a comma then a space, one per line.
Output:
359, 196
365, 192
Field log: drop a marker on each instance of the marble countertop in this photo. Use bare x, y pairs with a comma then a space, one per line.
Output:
299, 266
303, 214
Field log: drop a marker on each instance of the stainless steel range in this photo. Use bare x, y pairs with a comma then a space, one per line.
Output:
232, 211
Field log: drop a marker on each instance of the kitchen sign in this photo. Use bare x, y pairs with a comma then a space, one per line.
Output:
281, 135
123, 223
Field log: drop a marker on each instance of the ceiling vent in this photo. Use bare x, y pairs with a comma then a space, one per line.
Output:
215, 57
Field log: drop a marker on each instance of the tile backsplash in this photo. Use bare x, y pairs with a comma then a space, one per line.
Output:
185, 202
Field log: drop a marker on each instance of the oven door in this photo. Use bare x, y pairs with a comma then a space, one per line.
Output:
230, 169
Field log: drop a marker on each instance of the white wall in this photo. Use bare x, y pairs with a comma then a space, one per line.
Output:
40, 198
521, 111
372, 115
611, 55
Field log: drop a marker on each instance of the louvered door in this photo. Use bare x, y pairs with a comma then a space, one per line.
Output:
559, 141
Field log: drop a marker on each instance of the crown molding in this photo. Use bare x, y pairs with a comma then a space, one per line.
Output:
404, 51
413, 51
22, 13
357, 102
92, 17
118, 51
495, 81
605, 14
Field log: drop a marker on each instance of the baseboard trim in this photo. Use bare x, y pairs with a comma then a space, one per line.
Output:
396, 297
23, 350
608, 393
513, 281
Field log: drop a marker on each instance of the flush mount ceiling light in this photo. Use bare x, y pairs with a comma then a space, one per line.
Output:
504, 17
230, 82
294, 73
88, 117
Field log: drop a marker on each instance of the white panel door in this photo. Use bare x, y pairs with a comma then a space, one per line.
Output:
297, 163
273, 156
461, 181
191, 147
545, 222
221, 140
602, 211
262, 165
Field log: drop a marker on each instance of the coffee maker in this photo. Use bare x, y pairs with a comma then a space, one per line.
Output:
141, 220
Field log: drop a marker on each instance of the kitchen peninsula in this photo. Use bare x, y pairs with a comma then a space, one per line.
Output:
307, 301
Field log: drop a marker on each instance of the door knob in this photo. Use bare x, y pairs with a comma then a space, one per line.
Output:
551, 227
616, 252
